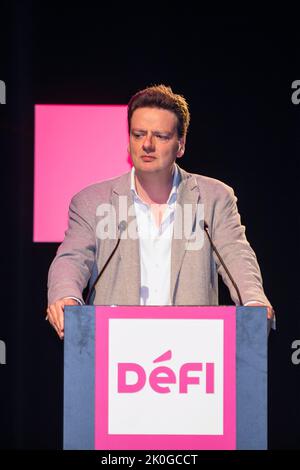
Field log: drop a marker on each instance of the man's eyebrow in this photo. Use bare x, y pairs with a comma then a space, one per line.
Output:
139, 129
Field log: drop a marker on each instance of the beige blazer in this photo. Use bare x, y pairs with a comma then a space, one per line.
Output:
193, 272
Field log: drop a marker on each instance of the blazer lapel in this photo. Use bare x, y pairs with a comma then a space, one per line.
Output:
188, 194
129, 245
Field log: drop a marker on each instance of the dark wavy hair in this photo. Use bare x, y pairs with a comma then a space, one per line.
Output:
161, 96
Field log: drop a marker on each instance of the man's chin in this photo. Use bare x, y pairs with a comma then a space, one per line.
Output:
147, 168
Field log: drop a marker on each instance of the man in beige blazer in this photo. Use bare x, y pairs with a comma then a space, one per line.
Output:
158, 194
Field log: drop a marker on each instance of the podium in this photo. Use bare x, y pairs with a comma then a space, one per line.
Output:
165, 377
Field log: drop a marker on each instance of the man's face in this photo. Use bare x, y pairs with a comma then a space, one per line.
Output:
154, 144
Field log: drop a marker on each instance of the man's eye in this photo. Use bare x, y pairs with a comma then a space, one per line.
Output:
162, 136
137, 135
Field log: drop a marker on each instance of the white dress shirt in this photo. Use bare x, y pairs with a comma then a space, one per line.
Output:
155, 246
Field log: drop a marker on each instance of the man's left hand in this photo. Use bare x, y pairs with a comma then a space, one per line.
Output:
270, 310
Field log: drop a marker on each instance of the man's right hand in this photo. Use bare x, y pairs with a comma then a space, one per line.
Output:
55, 314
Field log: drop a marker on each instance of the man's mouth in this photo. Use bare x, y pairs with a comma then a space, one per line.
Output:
147, 158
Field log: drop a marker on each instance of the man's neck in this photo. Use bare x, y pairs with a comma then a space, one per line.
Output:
154, 188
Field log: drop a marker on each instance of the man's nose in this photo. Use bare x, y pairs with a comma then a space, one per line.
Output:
148, 144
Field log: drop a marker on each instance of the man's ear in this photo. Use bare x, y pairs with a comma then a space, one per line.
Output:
181, 147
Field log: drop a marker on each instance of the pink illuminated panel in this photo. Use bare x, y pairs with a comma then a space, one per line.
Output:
75, 145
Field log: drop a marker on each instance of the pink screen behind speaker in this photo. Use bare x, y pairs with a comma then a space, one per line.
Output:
75, 145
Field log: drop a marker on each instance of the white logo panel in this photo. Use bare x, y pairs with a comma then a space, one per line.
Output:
184, 396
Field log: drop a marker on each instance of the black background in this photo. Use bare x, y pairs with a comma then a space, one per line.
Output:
236, 73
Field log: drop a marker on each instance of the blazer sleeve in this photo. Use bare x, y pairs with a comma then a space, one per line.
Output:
230, 239
71, 268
